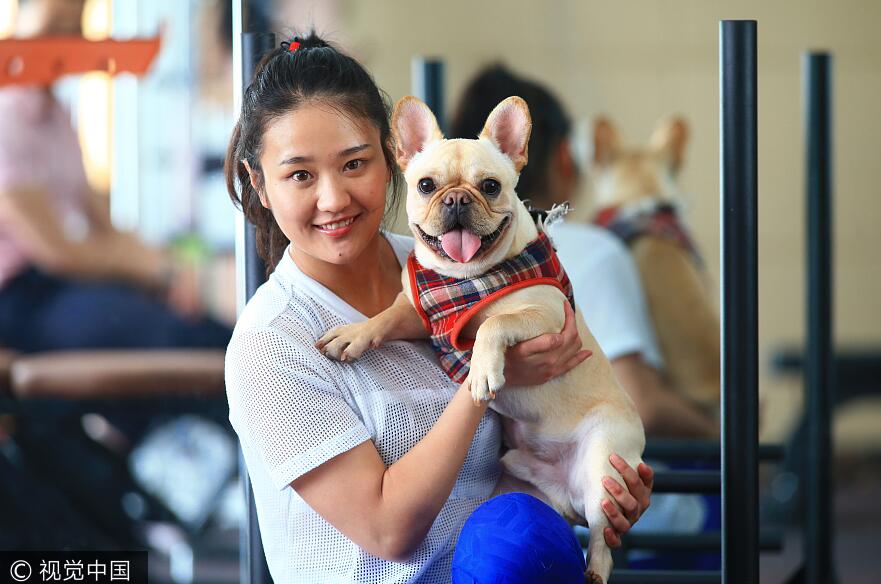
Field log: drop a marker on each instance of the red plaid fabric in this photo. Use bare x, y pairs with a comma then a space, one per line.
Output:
446, 304
659, 220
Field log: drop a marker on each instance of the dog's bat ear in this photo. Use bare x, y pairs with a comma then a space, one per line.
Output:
413, 126
669, 140
508, 127
606, 143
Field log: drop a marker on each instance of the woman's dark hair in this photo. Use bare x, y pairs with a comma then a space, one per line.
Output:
283, 81
550, 123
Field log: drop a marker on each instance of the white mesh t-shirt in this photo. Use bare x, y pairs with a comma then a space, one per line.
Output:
294, 409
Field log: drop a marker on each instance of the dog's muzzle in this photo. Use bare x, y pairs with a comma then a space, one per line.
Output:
456, 209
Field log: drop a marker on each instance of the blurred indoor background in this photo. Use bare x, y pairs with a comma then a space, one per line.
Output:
154, 147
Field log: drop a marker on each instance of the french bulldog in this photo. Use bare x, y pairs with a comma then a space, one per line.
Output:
475, 241
636, 194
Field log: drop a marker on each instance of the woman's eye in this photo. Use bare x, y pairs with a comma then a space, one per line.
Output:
491, 187
301, 175
426, 186
354, 164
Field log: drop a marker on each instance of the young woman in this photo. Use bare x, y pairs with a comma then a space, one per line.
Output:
362, 471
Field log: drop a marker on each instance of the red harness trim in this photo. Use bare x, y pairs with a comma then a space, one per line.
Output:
446, 305
412, 266
465, 317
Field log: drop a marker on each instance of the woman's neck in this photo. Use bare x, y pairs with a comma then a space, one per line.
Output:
369, 284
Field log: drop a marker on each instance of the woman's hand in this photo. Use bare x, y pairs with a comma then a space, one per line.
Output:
545, 357
632, 501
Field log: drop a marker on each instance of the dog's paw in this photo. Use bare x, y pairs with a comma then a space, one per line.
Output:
593, 578
348, 342
486, 376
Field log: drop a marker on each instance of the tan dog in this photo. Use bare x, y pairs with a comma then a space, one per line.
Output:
635, 191
467, 220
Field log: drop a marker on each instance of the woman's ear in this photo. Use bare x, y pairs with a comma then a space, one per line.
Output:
565, 161
255, 184
564, 174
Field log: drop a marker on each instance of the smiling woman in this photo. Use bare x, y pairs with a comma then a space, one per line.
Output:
328, 193
318, 139
365, 471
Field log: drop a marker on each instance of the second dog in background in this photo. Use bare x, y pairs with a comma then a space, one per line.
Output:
636, 195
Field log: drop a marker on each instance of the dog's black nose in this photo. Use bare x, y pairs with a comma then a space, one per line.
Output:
457, 205
452, 198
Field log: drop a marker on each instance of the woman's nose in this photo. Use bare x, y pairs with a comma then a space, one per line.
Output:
332, 196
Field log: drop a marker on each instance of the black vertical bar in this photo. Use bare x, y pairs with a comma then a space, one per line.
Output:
818, 543
254, 46
739, 335
428, 85
253, 569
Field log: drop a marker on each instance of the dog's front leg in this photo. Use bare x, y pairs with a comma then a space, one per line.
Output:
486, 375
398, 321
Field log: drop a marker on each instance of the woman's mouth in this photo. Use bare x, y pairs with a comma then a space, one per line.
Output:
337, 228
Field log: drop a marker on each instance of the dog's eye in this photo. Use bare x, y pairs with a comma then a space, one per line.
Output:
426, 186
491, 187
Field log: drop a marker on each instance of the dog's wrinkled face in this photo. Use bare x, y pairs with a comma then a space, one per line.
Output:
629, 175
460, 193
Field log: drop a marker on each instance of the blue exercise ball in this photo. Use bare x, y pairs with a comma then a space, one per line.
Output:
513, 539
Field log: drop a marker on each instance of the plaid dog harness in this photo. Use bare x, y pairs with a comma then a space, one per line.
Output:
447, 304
659, 220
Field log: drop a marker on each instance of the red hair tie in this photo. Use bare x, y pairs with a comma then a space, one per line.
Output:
293, 46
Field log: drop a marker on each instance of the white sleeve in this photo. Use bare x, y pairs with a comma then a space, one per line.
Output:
613, 304
285, 412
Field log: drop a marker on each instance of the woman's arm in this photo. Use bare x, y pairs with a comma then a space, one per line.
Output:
545, 357
388, 510
663, 411
103, 254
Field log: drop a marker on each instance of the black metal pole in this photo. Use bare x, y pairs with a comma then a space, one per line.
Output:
254, 46
427, 83
253, 568
818, 541
739, 258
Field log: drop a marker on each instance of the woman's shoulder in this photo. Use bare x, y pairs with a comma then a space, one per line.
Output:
273, 343
277, 314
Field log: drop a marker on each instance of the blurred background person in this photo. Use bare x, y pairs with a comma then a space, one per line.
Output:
68, 277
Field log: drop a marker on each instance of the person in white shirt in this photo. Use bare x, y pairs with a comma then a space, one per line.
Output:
365, 471
604, 277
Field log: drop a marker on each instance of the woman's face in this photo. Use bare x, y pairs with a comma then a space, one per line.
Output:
325, 180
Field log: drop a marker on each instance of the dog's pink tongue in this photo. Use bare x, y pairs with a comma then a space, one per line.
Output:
460, 244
